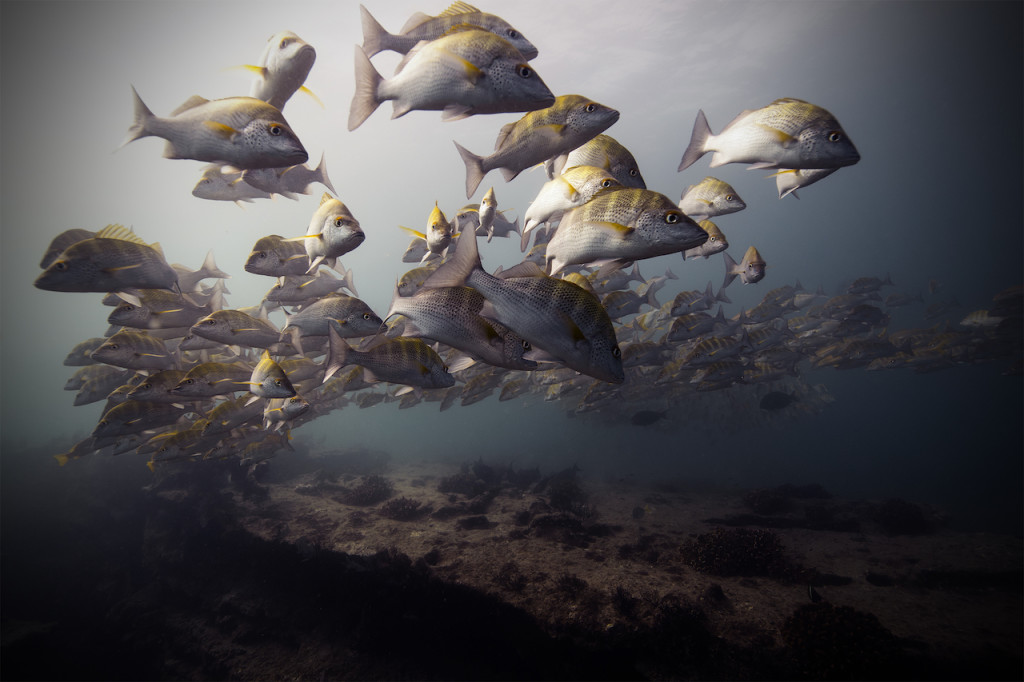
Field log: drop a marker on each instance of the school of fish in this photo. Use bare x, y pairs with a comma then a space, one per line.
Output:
186, 378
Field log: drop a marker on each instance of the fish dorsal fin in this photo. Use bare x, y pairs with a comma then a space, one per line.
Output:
156, 247
457, 8
191, 103
325, 198
415, 20
120, 232
524, 269
787, 100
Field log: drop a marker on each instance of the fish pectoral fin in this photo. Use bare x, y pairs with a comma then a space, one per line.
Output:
781, 136
762, 164
221, 129
456, 112
572, 330
413, 232
251, 400
473, 72
122, 267
309, 92
616, 229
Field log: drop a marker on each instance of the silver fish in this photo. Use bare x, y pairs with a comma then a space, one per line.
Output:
276, 256
243, 132
750, 270
283, 68
606, 153
709, 198
400, 361
102, 264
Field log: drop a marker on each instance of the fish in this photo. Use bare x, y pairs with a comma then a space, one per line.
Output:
79, 356
716, 242
283, 67
622, 226
135, 416
789, 180
333, 231
451, 315
467, 71
134, 350
788, 133
647, 417
243, 132
606, 153
236, 328
709, 198
539, 136
750, 270
468, 218
306, 289
438, 235
400, 361
61, 242
105, 264
276, 256
288, 181
217, 185
424, 27
161, 309
279, 411
268, 380
486, 213
348, 314
210, 379
574, 187
188, 280
156, 388
558, 317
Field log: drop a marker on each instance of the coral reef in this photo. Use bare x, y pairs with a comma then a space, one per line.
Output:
738, 551
403, 509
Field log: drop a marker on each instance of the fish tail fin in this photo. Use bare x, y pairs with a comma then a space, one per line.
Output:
62, 459
699, 136
210, 269
321, 175
474, 169
374, 35
365, 101
729, 274
337, 353
142, 116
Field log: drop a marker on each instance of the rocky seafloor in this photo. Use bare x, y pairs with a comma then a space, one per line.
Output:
346, 564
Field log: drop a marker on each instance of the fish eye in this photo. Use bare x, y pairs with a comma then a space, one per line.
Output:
512, 33
277, 382
632, 172
607, 183
729, 197
366, 316
616, 353
712, 239
60, 265
591, 108
211, 322
147, 386
284, 43
671, 218
835, 136
275, 129
190, 381
112, 346
338, 222
526, 345
525, 71
261, 254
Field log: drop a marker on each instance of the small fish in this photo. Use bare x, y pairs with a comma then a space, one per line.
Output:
104, 264
333, 231
421, 26
216, 185
135, 416
243, 132
620, 226
305, 289
750, 269
279, 411
156, 388
789, 180
348, 314
276, 256
438, 235
400, 361
283, 68
574, 187
79, 356
606, 153
134, 350
776, 400
161, 309
468, 218
549, 133
210, 379
188, 280
716, 242
647, 417
288, 181
487, 212
467, 71
788, 133
709, 198
236, 328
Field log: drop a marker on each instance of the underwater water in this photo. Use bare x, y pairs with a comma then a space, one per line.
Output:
930, 94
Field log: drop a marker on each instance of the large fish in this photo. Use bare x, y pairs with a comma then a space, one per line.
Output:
556, 316
539, 136
283, 68
621, 226
451, 315
243, 132
467, 71
237, 328
421, 26
348, 314
788, 133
